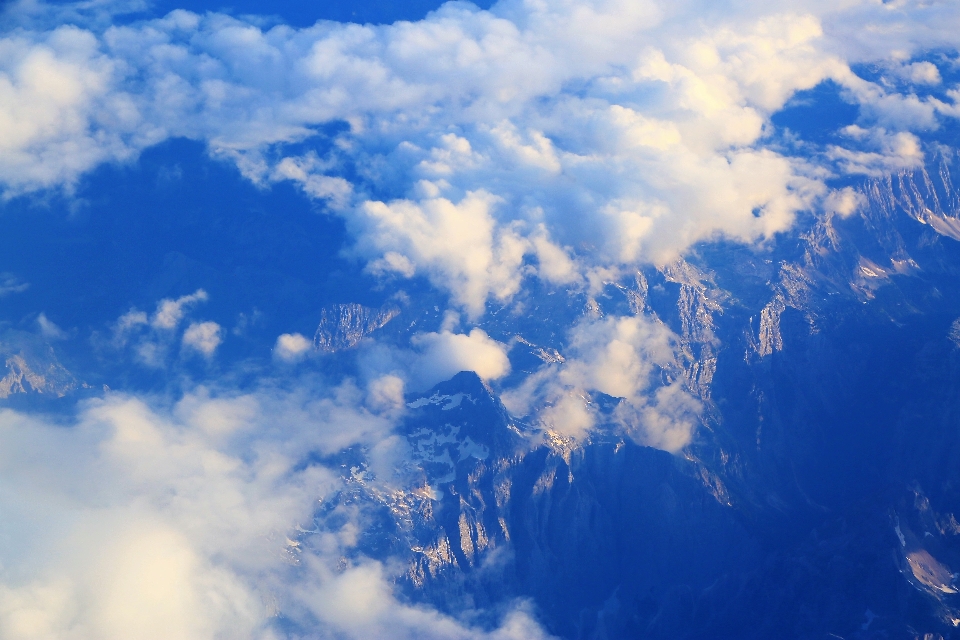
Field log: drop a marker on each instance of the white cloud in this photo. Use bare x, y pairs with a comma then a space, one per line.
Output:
617, 354
570, 414
60, 111
392, 262
127, 560
170, 312
203, 337
620, 357
554, 264
844, 202
140, 521
153, 338
385, 393
291, 347
895, 31
565, 135
881, 152
306, 172
9, 283
920, 73
457, 244
49, 329
565, 140
444, 354
128, 321
358, 604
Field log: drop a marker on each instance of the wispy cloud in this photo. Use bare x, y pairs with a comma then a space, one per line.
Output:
152, 336
9, 283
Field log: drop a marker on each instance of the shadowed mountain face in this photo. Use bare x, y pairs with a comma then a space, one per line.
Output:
819, 498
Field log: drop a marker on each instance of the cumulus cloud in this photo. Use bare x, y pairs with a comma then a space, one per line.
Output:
458, 244
564, 135
443, 354
127, 322
919, 73
152, 337
358, 604
891, 31
880, 152
619, 356
60, 111
306, 171
844, 202
127, 559
203, 337
169, 312
385, 393
291, 347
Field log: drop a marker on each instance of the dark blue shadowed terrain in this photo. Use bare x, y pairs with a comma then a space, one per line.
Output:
173, 222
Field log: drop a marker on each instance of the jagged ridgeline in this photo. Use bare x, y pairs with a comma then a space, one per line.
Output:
820, 496
343, 326
32, 367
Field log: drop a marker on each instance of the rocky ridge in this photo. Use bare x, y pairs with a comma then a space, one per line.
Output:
343, 326
818, 499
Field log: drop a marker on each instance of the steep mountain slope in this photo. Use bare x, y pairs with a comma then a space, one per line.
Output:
820, 493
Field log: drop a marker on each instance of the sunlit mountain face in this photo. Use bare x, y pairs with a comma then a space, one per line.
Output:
562, 319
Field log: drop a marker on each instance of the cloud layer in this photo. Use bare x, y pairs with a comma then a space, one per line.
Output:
537, 138
186, 521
